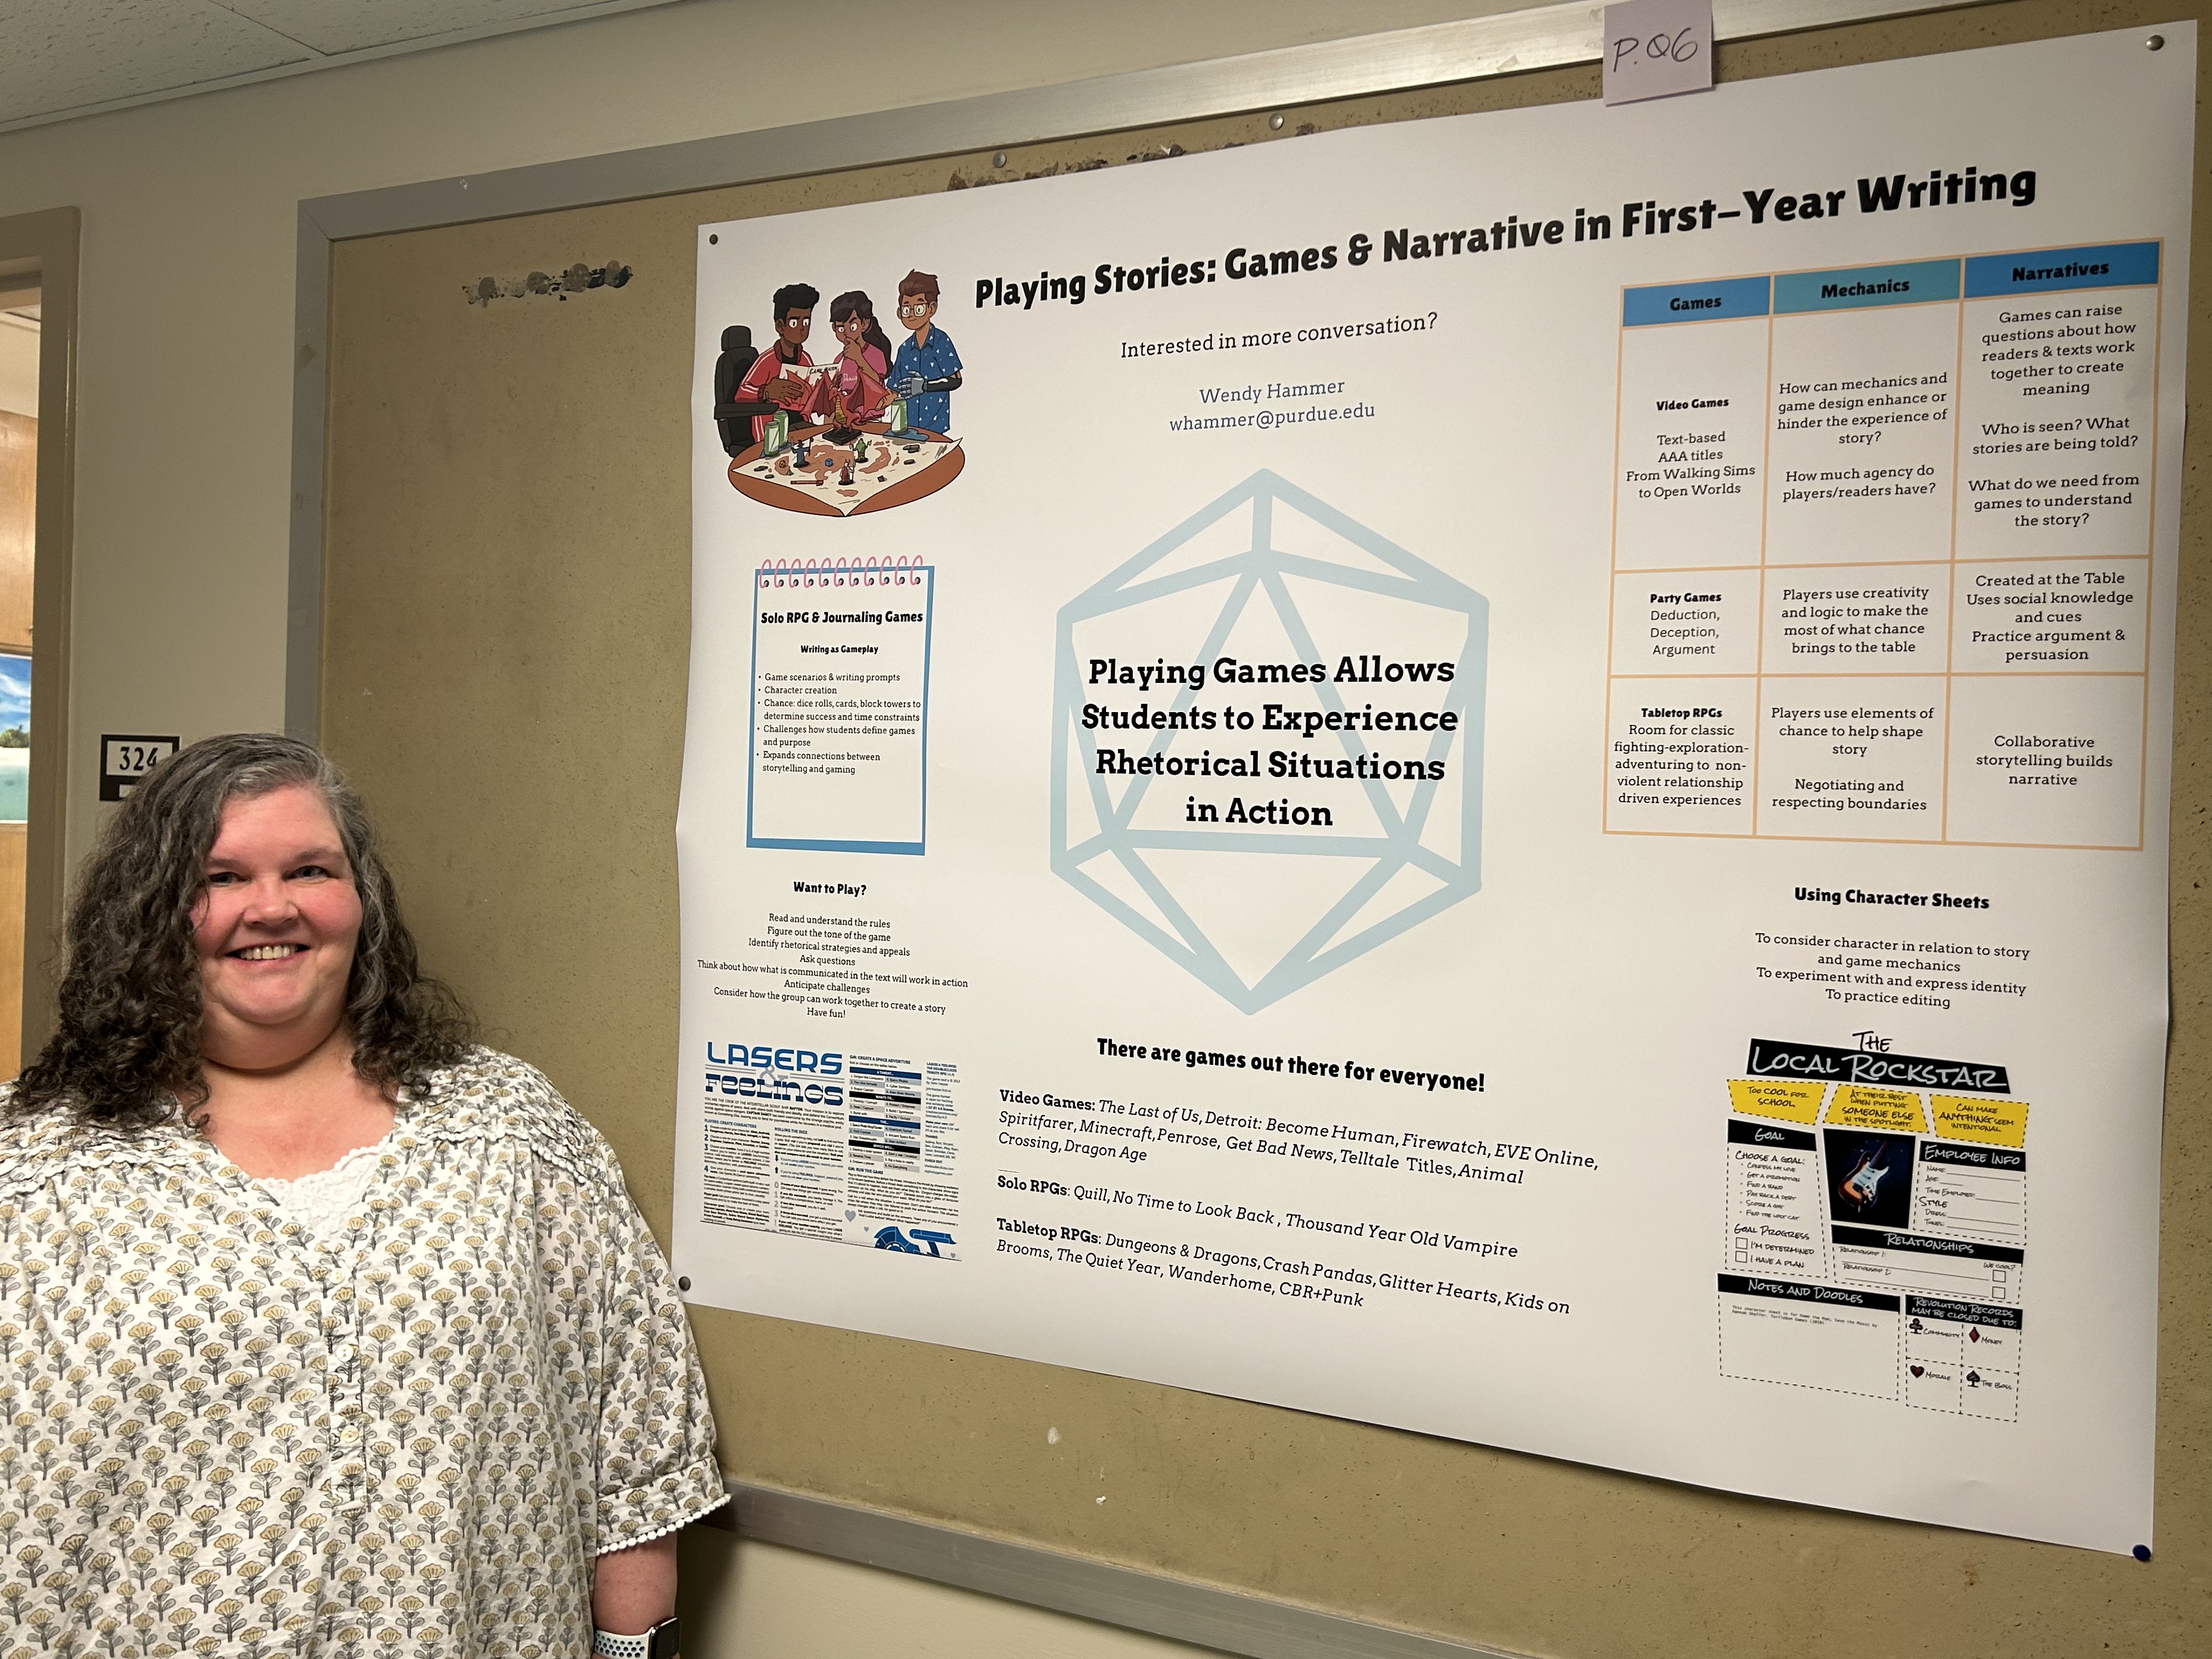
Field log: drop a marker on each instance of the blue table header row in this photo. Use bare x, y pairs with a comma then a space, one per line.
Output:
1694, 302
1917, 283
2117, 265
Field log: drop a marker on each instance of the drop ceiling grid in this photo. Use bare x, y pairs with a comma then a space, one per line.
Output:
60, 59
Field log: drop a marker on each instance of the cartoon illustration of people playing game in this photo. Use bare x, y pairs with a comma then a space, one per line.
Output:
859, 432
927, 370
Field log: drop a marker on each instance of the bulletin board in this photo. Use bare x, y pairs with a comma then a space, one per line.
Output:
505, 651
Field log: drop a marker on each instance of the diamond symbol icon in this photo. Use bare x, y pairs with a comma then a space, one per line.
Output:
1262, 830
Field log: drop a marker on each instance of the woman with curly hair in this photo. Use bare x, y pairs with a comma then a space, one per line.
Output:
327, 1330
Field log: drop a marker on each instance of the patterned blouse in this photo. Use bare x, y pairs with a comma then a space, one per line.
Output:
406, 1438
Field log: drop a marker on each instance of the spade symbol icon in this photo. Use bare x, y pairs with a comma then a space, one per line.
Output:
1919, 1370
1974, 1379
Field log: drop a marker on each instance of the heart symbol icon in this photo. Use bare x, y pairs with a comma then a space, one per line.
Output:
1919, 1371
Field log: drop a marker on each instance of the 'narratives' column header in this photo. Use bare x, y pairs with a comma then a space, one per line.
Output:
2117, 265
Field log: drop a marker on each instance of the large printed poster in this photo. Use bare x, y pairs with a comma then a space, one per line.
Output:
1503, 775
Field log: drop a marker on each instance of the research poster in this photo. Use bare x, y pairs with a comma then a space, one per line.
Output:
1503, 775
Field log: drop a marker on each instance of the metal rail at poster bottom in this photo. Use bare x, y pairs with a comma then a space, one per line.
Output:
1204, 1615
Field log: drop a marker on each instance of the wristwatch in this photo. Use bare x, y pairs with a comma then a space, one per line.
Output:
658, 1642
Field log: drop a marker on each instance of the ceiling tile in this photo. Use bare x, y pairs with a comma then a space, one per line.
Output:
66, 54
334, 26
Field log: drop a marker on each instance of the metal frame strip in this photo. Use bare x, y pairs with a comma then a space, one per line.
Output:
1180, 1609
1542, 37
311, 394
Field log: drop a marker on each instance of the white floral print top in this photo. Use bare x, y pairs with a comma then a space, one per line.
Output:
404, 1437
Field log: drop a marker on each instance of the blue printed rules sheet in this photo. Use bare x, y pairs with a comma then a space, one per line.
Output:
1505, 775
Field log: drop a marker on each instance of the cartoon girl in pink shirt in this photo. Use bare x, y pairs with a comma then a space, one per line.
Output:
858, 391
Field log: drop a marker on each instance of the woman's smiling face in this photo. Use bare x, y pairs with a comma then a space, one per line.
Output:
275, 928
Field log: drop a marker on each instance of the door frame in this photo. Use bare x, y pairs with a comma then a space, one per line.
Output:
42, 248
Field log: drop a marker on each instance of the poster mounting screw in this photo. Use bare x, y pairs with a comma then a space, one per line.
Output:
1275, 121
2156, 43
998, 158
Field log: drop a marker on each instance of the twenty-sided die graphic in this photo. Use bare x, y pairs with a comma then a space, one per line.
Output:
1259, 833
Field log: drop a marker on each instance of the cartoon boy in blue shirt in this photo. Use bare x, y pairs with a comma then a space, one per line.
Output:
927, 372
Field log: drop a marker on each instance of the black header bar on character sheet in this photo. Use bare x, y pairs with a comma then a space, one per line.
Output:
1964, 1313
1742, 1134
1816, 1063
1783, 1290
1875, 1238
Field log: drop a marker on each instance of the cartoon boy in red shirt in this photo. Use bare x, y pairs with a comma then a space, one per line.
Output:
767, 387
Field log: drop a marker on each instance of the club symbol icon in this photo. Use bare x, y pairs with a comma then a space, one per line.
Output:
1270, 571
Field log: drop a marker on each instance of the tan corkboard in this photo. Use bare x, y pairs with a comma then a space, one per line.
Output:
506, 633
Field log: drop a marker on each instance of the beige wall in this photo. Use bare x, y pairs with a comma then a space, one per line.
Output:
185, 404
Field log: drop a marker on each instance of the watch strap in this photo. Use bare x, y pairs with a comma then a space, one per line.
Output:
658, 1642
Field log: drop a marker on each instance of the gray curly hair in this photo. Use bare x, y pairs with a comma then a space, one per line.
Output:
128, 1041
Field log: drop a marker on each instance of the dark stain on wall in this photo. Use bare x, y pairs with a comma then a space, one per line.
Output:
579, 278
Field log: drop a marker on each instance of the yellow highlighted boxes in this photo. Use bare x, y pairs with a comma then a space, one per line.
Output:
1900, 1111
1789, 1103
1857, 1107
1994, 1122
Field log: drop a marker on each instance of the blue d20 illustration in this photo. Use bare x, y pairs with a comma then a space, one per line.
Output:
1267, 736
